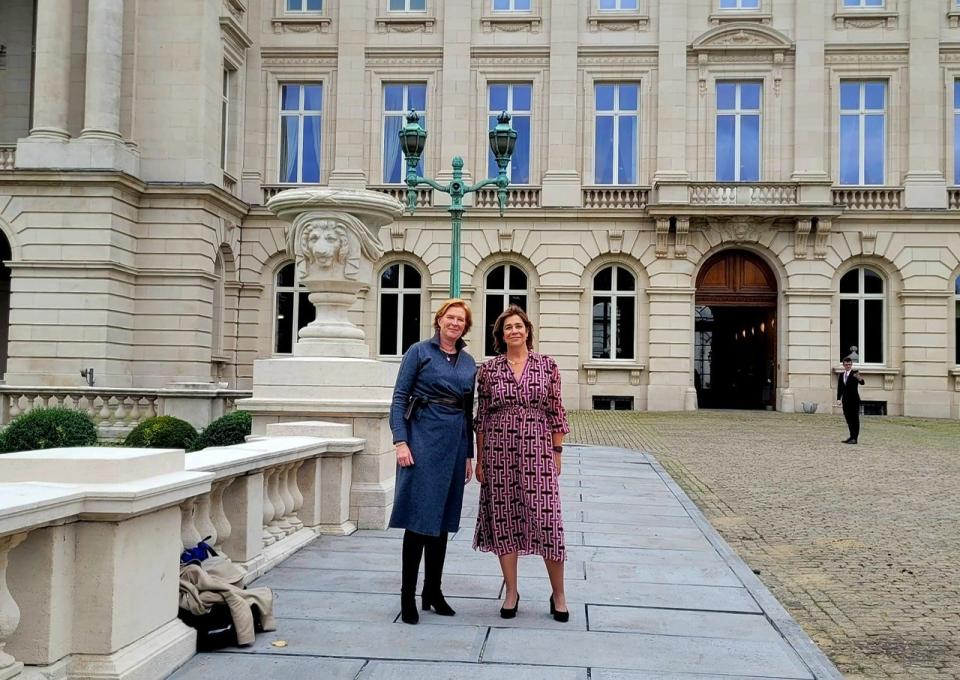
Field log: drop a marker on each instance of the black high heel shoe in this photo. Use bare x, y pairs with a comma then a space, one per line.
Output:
558, 615
408, 609
436, 601
510, 613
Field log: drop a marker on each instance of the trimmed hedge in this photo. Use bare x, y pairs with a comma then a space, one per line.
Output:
48, 428
162, 432
226, 431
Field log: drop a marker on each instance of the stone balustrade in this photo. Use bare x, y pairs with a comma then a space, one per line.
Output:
8, 157
953, 198
116, 411
517, 197
617, 198
90, 541
399, 192
743, 193
868, 198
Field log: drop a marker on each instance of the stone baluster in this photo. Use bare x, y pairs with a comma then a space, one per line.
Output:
189, 535
294, 515
204, 521
9, 611
218, 516
268, 510
273, 488
285, 522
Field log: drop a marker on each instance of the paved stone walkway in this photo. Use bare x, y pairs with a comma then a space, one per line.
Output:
861, 544
654, 593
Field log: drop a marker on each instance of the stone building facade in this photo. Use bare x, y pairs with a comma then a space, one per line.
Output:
713, 200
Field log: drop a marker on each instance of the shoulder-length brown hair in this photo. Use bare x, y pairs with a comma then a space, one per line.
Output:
453, 302
512, 310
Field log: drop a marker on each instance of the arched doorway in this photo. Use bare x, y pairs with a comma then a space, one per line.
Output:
5, 256
735, 343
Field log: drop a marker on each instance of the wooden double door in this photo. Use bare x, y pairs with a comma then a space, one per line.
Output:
735, 332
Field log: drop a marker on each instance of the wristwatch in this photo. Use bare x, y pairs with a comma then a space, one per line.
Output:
558, 449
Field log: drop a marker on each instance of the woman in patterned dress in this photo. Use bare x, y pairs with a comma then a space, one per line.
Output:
520, 426
431, 420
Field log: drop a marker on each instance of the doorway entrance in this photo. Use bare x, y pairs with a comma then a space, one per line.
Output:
735, 333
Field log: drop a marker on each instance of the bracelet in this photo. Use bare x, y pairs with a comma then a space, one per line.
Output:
398, 443
558, 449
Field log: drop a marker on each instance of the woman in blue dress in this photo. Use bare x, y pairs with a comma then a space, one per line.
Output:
432, 424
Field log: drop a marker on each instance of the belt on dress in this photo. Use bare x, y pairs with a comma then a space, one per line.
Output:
419, 402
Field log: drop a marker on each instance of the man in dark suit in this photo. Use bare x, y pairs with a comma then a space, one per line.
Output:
848, 396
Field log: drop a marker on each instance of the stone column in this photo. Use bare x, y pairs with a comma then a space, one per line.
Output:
51, 75
671, 349
561, 181
350, 139
810, 91
672, 95
924, 184
101, 112
455, 112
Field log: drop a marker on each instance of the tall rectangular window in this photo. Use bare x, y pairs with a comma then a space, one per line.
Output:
515, 99
956, 130
739, 4
613, 5
738, 131
398, 99
511, 5
300, 109
304, 5
408, 5
616, 140
863, 3
224, 118
862, 135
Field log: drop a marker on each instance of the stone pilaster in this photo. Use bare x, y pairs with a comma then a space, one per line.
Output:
924, 184
101, 111
809, 121
350, 139
455, 111
671, 95
807, 329
561, 181
51, 74
671, 349
926, 380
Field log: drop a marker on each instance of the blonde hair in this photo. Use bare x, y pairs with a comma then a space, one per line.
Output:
453, 302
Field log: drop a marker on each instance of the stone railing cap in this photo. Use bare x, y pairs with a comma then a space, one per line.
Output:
90, 465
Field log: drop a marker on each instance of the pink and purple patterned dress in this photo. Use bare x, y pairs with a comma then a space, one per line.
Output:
520, 499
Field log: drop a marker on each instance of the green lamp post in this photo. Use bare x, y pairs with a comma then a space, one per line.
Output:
413, 139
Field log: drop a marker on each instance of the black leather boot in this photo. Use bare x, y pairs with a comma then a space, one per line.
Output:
412, 550
435, 552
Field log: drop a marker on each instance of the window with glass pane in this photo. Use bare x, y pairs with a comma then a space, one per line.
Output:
398, 99
739, 4
304, 5
614, 5
515, 99
300, 108
616, 141
956, 128
614, 313
506, 285
408, 5
292, 309
511, 5
863, 3
956, 331
862, 135
400, 288
738, 131
224, 118
862, 305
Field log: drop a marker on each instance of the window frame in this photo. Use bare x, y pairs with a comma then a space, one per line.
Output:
303, 7
862, 297
956, 318
614, 294
300, 113
862, 112
619, 7
739, 6
861, 4
383, 125
512, 9
511, 84
955, 79
297, 289
617, 114
505, 294
406, 8
399, 291
737, 112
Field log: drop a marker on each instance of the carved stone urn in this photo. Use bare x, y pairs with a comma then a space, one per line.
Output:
333, 236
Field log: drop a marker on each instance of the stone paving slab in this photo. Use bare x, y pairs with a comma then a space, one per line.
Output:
652, 590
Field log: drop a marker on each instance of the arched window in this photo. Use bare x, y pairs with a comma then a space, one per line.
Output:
956, 320
862, 312
399, 308
216, 325
506, 285
292, 309
614, 313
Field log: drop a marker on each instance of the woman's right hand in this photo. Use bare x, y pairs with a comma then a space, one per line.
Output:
478, 471
404, 455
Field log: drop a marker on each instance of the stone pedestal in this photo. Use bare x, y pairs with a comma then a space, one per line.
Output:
331, 378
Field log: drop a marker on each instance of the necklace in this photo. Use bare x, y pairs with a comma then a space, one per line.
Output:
519, 362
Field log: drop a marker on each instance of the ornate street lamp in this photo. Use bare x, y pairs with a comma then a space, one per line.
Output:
413, 139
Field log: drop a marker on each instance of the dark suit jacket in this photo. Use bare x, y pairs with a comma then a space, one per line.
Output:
849, 394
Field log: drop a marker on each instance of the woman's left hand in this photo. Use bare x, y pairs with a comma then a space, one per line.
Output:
557, 462
469, 472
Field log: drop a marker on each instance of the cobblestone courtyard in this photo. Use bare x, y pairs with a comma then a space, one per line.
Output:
859, 543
